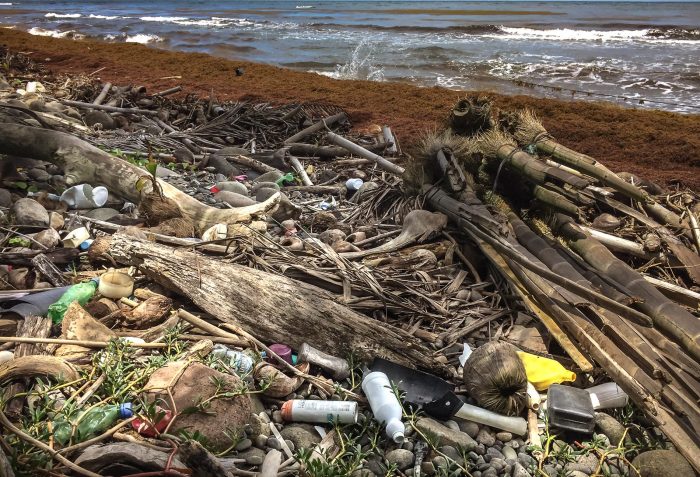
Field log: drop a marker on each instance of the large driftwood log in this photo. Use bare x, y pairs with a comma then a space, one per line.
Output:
83, 162
272, 308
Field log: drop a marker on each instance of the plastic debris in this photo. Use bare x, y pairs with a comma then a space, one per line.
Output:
306, 410
81, 292
543, 372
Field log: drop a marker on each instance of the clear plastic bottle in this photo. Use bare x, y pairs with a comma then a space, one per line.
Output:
240, 362
607, 396
93, 421
80, 292
384, 404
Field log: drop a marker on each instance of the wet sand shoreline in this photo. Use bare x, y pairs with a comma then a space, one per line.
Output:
656, 145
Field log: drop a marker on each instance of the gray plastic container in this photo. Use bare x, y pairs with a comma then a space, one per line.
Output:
570, 408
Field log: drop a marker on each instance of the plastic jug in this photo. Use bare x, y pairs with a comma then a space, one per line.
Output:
543, 372
384, 404
570, 408
607, 395
84, 196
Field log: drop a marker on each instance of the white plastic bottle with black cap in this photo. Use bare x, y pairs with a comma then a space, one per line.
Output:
384, 404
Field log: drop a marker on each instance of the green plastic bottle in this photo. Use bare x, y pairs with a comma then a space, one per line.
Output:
80, 292
94, 421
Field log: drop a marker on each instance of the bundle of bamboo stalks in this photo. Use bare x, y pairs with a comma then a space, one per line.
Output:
605, 263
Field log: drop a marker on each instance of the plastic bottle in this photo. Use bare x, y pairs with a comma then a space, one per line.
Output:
75, 237
159, 424
384, 404
543, 372
323, 412
607, 395
84, 196
81, 292
236, 360
94, 421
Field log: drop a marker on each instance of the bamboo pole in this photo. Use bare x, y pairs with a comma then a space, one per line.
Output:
362, 152
324, 123
666, 315
109, 109
617, 244
103, 94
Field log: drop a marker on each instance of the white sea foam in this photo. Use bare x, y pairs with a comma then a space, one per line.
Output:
63, 15
570, 34
105, 17
162, 19
55, 33
5, 4
360, 66
143, 38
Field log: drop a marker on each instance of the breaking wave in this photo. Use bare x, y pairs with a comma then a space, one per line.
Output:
142, 38
56, 34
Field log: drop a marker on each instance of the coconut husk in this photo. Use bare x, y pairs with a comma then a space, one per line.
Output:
495, 377
175, 227
472, 115
156, 209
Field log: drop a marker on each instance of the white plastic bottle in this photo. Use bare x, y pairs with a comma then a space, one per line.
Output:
323, 412
607, 395
84, 196
384, 404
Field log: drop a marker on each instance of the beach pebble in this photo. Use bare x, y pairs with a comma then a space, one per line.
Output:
451, 452
509, 453
49, 238
233, 199
30, 212
486, 437
38, 174
520, 471
271, 176
504, 436
274, 443
260, 441
610, 427
5, 198
445, 435
99, 117
428, 468
402, 458
244, 444
470, 428
232, 186
104, 213
252, 456
303, 436
662, 463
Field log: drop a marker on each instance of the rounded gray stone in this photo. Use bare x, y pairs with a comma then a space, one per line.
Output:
402, 458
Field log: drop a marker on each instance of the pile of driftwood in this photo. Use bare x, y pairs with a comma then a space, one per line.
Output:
605, 261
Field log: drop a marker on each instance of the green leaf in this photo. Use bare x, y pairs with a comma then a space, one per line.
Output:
19, 242
21, 185
151, 167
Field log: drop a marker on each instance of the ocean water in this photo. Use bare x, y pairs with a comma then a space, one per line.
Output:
643, 54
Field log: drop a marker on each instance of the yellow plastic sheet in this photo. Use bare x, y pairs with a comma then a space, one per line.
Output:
543, 372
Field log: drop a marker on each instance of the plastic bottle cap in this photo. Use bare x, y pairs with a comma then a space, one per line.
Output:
126, 410
286, 410
283, 351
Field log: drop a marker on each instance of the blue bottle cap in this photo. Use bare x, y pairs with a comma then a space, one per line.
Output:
85, 245
126, 410
295, 358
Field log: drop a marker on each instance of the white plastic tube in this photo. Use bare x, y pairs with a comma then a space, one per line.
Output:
607, 396
384, 404
323, 412
516, 425
534, 400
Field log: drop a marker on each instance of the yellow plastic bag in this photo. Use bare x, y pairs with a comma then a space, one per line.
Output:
543, 372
